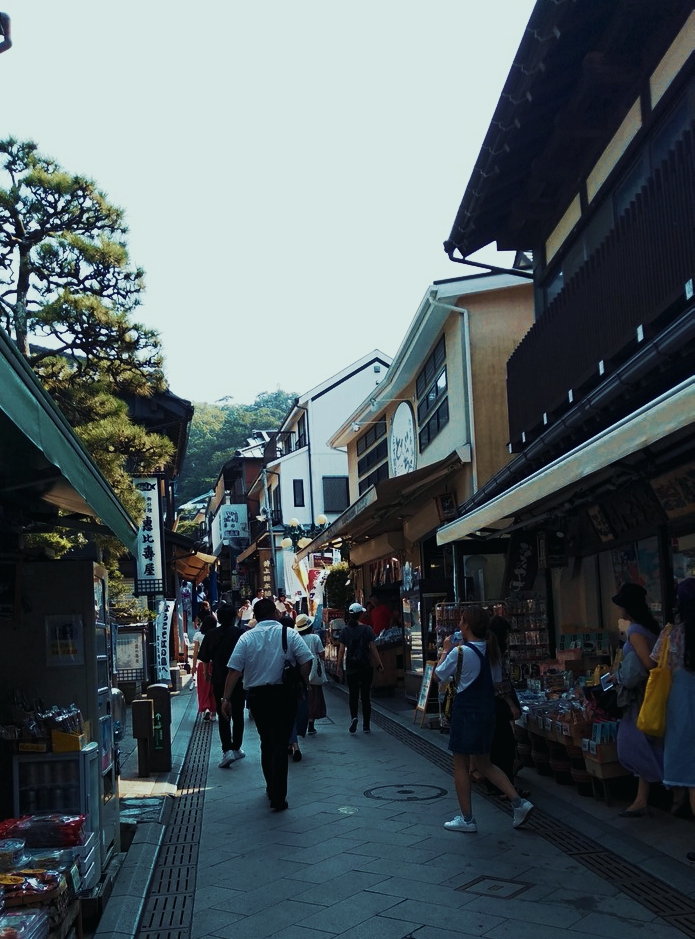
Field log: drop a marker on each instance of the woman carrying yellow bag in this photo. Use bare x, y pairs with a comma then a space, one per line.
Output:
679, 740
651, 719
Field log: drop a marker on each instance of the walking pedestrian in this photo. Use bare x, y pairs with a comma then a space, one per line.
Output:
358, 651
202, 671
316, 699
473, 720
216, 648
260, 656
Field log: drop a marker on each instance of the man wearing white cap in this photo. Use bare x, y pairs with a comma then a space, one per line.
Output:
358, 651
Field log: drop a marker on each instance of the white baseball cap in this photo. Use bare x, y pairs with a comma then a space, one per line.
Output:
356, 608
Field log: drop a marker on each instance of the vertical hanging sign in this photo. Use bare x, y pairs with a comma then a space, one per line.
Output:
162, 631
149, 561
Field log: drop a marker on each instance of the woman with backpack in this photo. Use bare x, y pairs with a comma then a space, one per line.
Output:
357, 652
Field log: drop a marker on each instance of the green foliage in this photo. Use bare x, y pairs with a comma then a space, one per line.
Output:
217, 431
338, 587
67, 293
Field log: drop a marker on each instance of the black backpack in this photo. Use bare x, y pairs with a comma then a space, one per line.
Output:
357, 654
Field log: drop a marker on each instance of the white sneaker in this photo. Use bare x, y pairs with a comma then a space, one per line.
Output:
238, 754
460, 824
522, 812
227, 759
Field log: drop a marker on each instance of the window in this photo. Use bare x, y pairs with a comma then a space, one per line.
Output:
434, 425
335, 493
376, 455
301, 432
298, 488
375, 432
379, 474
431, 388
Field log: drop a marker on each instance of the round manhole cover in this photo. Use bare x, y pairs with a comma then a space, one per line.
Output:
406, 793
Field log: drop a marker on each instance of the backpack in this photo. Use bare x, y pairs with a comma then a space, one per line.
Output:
357, 654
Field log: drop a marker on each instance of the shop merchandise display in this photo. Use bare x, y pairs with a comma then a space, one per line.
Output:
34, 726
46, 831
16, 924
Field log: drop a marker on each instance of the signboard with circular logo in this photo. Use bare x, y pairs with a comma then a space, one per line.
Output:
402, 441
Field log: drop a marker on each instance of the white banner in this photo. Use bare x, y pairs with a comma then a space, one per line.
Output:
149, 563
162, 631
230, 526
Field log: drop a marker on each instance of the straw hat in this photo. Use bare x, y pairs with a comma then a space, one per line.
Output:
303, 623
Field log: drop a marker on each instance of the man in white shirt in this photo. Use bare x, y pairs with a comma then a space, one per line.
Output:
259, 596
260, 657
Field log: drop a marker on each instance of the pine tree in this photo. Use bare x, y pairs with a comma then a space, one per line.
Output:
67, 294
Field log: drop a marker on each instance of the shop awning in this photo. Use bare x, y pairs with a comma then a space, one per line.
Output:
194, 566
377, 509
666, 415
42, 461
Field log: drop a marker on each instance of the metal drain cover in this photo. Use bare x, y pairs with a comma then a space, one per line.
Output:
405, 793
495, 887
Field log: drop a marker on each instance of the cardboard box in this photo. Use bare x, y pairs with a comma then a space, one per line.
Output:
67, 743
604, 770
604, 752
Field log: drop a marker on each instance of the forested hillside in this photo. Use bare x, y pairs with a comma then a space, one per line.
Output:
218, 430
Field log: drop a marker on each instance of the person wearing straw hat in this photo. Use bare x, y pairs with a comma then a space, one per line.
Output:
317, 702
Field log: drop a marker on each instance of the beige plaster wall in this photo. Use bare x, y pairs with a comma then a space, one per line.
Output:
498, 322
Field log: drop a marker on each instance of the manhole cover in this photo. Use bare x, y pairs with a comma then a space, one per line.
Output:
406, 793
495, 887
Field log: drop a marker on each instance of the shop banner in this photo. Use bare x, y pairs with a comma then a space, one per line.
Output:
522, 565
149, 560
162, 631
230, 526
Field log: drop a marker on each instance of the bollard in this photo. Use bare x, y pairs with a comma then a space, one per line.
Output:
142, 711
160, 751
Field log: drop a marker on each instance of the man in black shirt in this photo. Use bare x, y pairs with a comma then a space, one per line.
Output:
217, 647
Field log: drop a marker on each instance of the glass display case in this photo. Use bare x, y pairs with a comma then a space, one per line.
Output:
66, 783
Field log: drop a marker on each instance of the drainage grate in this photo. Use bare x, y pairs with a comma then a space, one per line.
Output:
674, 908
168, 910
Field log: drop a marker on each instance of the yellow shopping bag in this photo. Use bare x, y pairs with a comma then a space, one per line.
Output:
652, 716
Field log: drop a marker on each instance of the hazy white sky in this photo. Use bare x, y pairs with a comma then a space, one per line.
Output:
289, 171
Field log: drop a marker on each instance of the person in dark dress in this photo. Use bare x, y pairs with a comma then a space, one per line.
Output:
473, 720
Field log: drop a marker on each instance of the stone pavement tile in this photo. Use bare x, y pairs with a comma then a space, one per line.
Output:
326, 870
214, 896
445, 917
518, 929
337, 888
378, 927
407, 889
317, 853
212, 922
265, 894
598, 924
270, 921
301, 932
407, 870
248, 874
616, 905
429, 932
349, 912
543, 914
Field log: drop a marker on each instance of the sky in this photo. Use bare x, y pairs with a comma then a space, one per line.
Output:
288, 172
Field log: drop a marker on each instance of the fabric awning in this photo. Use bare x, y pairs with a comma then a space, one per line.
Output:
376, 510
670, 413
193, 566
42, 459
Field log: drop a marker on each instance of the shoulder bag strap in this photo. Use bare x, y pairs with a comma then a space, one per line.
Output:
459, 665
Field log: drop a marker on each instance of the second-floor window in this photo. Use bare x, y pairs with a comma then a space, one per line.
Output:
431, 388
372, 453
301, 432
298, 490
335, 493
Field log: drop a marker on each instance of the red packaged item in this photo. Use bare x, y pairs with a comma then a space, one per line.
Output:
48, 831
